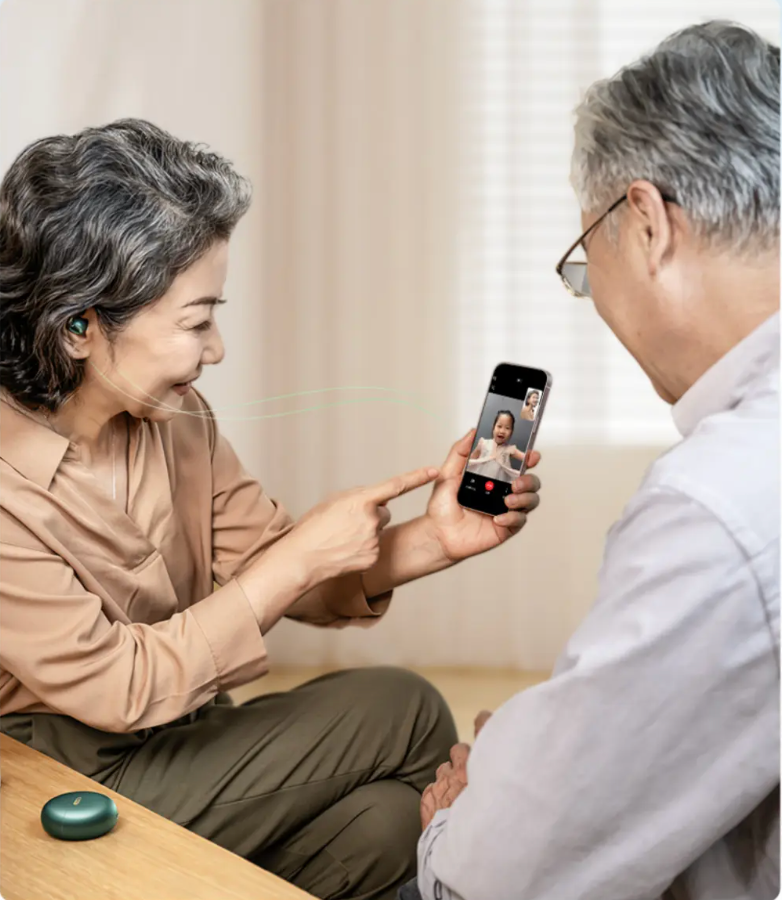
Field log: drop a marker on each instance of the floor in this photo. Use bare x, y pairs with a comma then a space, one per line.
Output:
467, 691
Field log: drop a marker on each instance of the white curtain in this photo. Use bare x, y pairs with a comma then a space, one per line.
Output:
410, 164
525, 67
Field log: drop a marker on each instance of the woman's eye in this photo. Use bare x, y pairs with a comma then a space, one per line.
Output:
203, 326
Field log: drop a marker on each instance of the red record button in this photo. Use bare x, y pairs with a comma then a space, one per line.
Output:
489, 485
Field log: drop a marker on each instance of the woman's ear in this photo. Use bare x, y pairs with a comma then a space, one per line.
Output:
80, 334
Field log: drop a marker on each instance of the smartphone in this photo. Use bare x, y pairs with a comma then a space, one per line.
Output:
507, 428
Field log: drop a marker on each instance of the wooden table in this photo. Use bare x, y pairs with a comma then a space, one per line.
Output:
145, 857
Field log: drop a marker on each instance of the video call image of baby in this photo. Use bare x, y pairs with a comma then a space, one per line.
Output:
501, 440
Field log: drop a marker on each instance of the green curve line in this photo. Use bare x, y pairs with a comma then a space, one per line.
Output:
320, 391
296, 412
167, 408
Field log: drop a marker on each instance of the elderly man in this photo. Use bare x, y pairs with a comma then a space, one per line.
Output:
648, 766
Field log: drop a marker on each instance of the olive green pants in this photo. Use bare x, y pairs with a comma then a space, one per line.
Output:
320, 785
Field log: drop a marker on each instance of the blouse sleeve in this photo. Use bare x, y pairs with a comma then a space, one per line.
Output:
115, 675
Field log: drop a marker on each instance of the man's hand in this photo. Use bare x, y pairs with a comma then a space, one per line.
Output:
480, 720
451, 781
451, 777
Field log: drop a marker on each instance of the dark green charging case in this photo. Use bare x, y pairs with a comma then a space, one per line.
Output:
79, 816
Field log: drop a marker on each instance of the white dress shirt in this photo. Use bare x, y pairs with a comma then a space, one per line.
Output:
648, 766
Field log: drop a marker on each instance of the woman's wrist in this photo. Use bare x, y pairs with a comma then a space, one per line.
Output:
275, 582
424, 533
407, 551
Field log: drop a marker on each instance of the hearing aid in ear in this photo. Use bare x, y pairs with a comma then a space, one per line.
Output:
77, 325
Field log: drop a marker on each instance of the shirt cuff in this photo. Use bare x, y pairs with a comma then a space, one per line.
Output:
233, 634
346, 599
429, 885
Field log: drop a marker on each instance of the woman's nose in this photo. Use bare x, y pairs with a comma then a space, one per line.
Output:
215, 349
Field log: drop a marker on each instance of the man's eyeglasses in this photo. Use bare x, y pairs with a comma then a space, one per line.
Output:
573, 272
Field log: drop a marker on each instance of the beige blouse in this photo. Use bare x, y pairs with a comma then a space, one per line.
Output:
112, 617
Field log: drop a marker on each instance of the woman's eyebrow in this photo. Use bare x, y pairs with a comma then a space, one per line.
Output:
205, 301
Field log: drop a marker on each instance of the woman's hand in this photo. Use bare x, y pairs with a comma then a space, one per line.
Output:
462, 533
342, 534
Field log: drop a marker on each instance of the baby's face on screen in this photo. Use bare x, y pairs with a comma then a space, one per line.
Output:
502, 429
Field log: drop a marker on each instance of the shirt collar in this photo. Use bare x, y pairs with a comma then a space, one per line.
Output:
29, 446
729, 380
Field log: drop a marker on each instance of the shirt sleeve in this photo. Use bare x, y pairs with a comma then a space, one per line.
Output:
657, 734
113, 675
246, 522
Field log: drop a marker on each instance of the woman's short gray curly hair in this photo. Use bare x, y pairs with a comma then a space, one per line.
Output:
699, 118
106, 218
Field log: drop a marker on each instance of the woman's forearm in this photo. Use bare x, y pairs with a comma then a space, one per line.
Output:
280, 582
274, 583
407, 551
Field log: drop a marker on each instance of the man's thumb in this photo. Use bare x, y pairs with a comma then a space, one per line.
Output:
480, 720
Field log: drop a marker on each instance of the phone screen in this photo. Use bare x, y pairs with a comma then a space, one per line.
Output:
506, 432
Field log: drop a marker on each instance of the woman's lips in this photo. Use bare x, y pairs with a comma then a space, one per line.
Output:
182, 389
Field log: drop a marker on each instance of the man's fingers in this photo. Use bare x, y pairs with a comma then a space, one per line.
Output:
481, 719
442, 770
454, 789
427, 808
401, 484
439, 790
459, 755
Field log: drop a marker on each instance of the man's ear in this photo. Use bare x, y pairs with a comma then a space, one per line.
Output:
652, 224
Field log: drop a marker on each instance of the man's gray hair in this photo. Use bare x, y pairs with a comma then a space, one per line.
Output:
699, 118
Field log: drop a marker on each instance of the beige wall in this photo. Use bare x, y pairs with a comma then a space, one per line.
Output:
342, 112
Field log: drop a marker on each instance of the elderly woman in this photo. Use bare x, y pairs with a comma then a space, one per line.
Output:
530, 408
122, 504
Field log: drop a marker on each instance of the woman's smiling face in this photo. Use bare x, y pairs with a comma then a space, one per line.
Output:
153, 360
